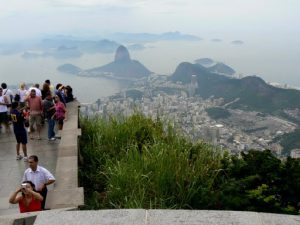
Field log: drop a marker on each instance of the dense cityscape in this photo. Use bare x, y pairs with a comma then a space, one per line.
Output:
177, 105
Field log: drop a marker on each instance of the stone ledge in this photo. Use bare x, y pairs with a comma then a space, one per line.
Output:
65, 151
66, 192
70, 180
66, 172
101, 217
66, 163
65, 198
66, 131
69, 139
27, 218
165, 217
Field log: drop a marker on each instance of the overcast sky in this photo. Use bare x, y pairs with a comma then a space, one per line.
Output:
205, 18
269, 28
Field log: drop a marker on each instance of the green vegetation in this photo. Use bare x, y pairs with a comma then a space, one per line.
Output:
137, 163
168, 90
217, 113
252, 130
253, 93
134, 94
287, 117
290, 141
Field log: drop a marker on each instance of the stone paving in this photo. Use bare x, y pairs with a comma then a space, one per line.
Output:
11, 170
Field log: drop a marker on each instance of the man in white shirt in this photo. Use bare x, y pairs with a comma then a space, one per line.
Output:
9, 96
36, 87
38, 175
7, 92
3, 110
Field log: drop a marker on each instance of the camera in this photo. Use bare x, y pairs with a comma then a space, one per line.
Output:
23, 186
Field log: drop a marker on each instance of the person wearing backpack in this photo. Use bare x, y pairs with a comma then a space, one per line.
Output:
3, 110
9, 95
7, 92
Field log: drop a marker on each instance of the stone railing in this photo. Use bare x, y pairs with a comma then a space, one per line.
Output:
66, 192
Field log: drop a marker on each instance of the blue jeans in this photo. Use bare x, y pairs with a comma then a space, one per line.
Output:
51, 124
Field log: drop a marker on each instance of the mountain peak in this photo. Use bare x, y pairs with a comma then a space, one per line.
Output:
122, 54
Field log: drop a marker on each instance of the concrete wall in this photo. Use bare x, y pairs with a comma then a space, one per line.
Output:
66, 192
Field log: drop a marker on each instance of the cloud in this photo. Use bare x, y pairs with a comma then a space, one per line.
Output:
15, 6
94, 3
193, 16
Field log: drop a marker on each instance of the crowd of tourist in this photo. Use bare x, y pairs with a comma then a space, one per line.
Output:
26, 110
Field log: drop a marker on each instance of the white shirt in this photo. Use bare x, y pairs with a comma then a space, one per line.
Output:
3, 108
37, 91
38, 177
23, 94
9, 94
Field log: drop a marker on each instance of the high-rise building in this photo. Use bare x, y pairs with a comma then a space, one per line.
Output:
193, 86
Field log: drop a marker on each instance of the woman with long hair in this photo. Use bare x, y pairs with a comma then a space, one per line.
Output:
45, 90
22, 93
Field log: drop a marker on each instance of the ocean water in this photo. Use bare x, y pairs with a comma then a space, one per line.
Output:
269, 60
14, 69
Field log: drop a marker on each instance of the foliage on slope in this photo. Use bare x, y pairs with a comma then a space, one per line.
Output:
137, 163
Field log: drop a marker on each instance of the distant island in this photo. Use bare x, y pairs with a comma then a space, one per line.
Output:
84, 46
60, 52
216, 40
68, 46
216, 67
205, 62
123, 67
222, 68
148, 37
69, 68
237, 42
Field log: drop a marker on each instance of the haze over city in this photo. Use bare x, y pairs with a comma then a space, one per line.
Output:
267, 29
142, 105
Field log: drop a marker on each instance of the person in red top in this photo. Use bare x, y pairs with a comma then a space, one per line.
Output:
61, 112
29, 201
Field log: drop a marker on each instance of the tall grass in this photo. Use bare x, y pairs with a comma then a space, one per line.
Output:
136, 163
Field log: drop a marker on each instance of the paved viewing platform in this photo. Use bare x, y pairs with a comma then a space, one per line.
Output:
12, 170
64, 197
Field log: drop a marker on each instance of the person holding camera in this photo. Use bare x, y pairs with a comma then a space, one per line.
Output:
29, 200
38, 175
